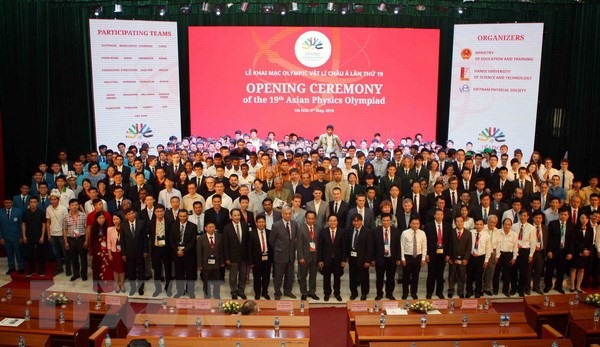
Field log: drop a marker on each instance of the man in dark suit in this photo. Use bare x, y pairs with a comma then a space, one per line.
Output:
114, 205
467, 181
360, 167
452, 194
210, 260
373, 201
147, 212
541, 247
491, 173
503, 184
368, 218
160, 250
459, 254
559, 237
217, 214
236, 251
359, 252
387, 181
332, 257
387, 255
123, 169
269, 213
283, 241
175, 167
484, 210
134, 248
543, 195
419, 201
405, 214
355, 189
438, 189
438, 247
479, 189
440, 203
524, 183
420, 170
133, 192
183, 245
407, 176
338, 208
260, 259
306, 246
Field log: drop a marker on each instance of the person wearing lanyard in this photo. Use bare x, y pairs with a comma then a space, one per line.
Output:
560, 232
210, 260
413, 255
360, 245
76, 240
482, 251
438, 235
541, 246
183, 245
521, 274
506, 256
260, 259
160, 252
114, 253
308, 234
387, 244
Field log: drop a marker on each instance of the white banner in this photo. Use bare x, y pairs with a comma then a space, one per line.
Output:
494, 88
135, 69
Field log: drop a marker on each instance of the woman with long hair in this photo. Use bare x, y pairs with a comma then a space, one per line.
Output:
532, 175
114, 254
102, 273
582, 249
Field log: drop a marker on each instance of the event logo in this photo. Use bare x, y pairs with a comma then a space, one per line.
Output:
466, 54
492, 134
138, 131
313, 49
465, 88
464, 73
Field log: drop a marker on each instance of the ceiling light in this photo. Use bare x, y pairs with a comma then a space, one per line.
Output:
267, 9
118, 7
185, 9
381, 7
161, 10
330, 6
218, 9
205, 7
97, 11
294, 7
281, 9
244, 6
344, 9
397, 9
358, 8
421, 8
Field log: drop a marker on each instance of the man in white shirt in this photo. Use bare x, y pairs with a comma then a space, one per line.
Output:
192, 196
256, 197
566, 176
165, 195
488, 274
55, 215
526, 241
226, 201
245, 178
413, 247
480, 257
506, 257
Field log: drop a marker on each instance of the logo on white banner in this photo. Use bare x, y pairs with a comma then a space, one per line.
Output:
491, 135
313, 49
139, 130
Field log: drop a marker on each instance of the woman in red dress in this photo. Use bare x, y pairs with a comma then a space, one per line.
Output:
114, 254
102, 272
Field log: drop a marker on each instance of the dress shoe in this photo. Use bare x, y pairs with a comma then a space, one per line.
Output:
326, 298
84, 278
415, 296
68, 273
233, 297
546, 290
155, 294
528, 292
290, 295
469, 295
338, 298
243, 296
560, 290
461, 296
538, 291
141, 291
572, 290
450, 295
378, 297
390, 297
74, 278
353, 296
440, 296
487, 292
477, 296
428, 296
192, 295
303, 297
10, 271
314, 297
132, 292
277, 297
176, 296
507, 294
256, 297
521, 294
363, 297
21, 271
399, 281
513, 292
404, 297
266, 296
169, 293
495, 293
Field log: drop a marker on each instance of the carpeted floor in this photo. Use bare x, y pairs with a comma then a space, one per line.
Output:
329, 327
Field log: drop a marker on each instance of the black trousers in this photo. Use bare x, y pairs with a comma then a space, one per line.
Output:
186, 273
78, 255
475, 274
211, 283
332, 267
411, 274
559, 263
161, 259
538, 268
435, 274
521, 273
261, 273
388, 269
359, 276
136, 271
505, 268
36, 253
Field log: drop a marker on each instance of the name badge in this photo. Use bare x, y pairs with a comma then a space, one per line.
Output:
353, 254
264, 257
161, 243
439, 251
15, 219
313, 246
212, 261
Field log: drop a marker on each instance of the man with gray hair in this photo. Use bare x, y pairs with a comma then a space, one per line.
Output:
488, 274
283, 241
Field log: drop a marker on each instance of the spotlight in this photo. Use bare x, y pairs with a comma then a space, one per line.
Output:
161, 10
218, 9
205, 7
280, 8
344, 9
185, 9
267, 9
330, 6
421, 8
397, 9
294, 7
118, 7
468, 1
460, 11
358, 8
244, 6
381, 7
97, 11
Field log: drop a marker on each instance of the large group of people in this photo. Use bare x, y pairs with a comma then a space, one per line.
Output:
251, 210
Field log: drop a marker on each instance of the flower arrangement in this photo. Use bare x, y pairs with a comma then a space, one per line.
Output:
593, 299
57, 299
232, 307
421, 306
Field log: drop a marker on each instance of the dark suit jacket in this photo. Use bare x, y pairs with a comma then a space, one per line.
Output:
357, 190
303, 243
477, 213
133, 193
233, 250
189, 238
205, 252
423, 206
431, 233
152, 235
329, 250
221, 219
365, 245
255, 247
460, 249
361, 174
144, 215
423, 173
448, 196
431, 200
276, 215
461, 184
507, 189
407, 180
250, 221
341, 214
368, 220
284, 246
402, 220
385, 183
448, 217
581, 243
544, 227
379, 245
134, 245
548, 196
554, 236
490, 175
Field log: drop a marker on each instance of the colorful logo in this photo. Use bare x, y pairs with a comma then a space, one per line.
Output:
492, 134
138, 131
312, 49
466, 54
465, 88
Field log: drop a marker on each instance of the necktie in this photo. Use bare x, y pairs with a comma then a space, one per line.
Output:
24, 203
515, 176
8, 213
332, 235
563, 180
312, 233
386, 238
237, 231
415, 244
574, 217
415, 201
453, 198
198, 179
466, 185
562, 234
262, 242
212, 242
439, 235
198, 224
152, 169
335, 208
287, 228
539, 238
181, 232
477, 241
352, 190
543, 201
176, 168
515, 218
485, 214
354, 238
43, 201
522, 184
406, 172
132, 226
459, 234
501, 185
521, 232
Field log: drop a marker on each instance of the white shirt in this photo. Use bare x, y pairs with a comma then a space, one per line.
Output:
269, 220
529, 238
198, 219
56, 216
406, 243
164, 197
226, 202
484, 246
507, 243
88, 207
256, 200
